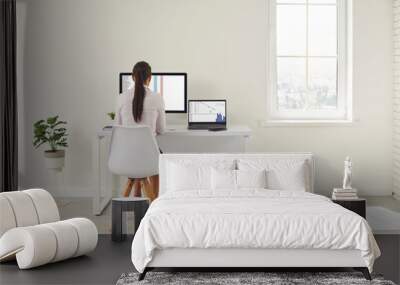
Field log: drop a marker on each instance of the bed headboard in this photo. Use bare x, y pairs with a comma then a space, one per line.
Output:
214, 158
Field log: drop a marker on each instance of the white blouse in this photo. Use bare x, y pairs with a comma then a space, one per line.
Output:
153, 111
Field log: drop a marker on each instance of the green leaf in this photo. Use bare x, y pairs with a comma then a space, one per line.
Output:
38, 123
38, 145
58, 123
52, 120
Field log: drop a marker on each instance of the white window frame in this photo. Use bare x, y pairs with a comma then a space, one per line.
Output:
344, 111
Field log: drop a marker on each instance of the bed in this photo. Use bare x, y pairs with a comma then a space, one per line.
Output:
246, 211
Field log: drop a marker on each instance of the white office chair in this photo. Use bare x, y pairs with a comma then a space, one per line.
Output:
134, 153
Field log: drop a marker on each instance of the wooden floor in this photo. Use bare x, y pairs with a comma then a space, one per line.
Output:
103, 266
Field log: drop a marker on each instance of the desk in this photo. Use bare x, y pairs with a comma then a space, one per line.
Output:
176, 139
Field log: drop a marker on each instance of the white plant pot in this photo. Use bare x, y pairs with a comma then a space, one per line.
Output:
54, 160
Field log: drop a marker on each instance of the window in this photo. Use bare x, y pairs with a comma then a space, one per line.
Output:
309, 64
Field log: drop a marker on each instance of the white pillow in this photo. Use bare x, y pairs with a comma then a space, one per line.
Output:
223, 179
251, 178
282, 174
292, 179
193, 173
188, 177
227, 179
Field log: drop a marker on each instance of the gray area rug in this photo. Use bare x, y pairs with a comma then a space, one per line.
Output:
269, 278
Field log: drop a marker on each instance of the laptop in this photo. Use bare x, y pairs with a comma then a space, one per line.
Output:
207, 115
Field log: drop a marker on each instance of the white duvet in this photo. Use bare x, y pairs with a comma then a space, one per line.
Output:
250, 219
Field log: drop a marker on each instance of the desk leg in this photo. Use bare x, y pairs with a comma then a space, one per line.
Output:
99, 202
246, 141
97, 176
116, 232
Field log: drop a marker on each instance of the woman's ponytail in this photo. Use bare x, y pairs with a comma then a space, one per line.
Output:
141, 73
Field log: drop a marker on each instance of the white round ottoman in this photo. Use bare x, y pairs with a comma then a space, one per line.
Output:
37, 245
31, 232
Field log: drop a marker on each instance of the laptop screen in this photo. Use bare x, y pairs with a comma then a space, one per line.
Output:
207, 111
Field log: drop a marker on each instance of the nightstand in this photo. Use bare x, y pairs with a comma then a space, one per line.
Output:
358, 206
127, 204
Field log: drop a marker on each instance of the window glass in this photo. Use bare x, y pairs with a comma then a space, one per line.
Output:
291, 35
322, 39
292, 83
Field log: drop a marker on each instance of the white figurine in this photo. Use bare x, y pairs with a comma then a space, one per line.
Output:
347, 173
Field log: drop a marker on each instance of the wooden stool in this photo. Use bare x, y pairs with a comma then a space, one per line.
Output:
148, 188
137, 184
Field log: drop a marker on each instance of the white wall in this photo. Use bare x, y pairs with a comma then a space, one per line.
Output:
396, 98
74, 51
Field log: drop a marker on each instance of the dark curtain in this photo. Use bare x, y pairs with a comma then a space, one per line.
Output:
8, 98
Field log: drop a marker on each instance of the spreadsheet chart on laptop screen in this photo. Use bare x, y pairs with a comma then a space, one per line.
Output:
207, 112
171, 87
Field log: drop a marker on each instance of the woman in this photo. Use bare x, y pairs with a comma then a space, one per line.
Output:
140, 105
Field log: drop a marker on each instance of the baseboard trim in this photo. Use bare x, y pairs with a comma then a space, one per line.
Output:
67, 192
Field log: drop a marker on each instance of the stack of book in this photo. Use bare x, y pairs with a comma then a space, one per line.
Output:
344, 194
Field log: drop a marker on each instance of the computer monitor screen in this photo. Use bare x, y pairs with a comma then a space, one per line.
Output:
172, 86
213, 111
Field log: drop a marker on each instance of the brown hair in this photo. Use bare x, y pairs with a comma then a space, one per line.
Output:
140, 73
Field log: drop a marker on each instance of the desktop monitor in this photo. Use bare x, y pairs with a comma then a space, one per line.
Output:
172, 86
207, 111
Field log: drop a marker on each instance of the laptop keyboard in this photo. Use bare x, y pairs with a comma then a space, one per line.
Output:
205, 127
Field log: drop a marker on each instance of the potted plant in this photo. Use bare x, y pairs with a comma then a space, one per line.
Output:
52, 132
111, 115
